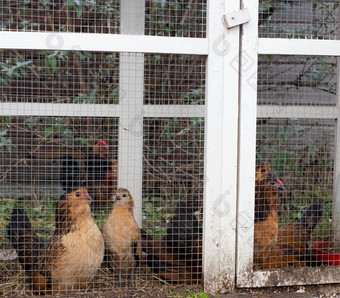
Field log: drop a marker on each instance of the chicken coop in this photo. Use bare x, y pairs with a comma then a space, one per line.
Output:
146, 144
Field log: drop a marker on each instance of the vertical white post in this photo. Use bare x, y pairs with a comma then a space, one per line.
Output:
221, 150
247, 144
131, 83
336, 193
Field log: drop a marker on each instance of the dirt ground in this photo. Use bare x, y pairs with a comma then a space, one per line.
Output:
195, 291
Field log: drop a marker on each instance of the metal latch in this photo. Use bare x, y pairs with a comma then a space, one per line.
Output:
236, 18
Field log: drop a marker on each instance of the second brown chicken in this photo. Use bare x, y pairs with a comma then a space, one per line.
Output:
266, 225
122, 236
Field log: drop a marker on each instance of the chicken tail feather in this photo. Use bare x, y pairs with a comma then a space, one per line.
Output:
311, 217
22, 237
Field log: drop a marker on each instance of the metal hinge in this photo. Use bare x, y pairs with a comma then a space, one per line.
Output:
236, 18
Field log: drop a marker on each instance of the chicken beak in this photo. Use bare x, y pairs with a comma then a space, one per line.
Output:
281, 185
118, 198
89, 198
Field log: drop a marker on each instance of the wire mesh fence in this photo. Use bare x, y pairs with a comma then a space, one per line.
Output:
293, 207
61, 16
66, 222
299, 19
45, 157
178, 18
59, 77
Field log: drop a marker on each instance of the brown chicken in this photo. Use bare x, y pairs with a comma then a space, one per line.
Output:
122, 236
177, 257
70, 260
100, 177
292, 246
266, 222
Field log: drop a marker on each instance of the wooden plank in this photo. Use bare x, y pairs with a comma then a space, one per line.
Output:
336, 182
284, 46
304, 112
125, 42
59, 110
174, 111
131, 87
247, 146
290, 277
220, 151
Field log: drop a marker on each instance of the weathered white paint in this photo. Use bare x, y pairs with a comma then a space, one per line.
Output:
103, 42
285, 46
131, 87
59, 110
96, 110
247, 143
305, 112
336, 192
220, 150
173, 110
289, 277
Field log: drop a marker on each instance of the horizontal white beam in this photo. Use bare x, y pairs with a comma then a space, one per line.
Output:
285, 46
105, 110
59, 110
307, 112
102, 42
97, 110
174, 111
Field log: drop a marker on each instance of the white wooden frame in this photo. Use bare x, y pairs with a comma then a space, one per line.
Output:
221, 115
253, 46
230, 118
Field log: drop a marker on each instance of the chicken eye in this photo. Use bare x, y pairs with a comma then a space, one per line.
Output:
78, 194
124, 195
263, 170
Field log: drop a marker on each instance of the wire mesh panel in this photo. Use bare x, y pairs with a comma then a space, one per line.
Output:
62, 200
295, 158
49, 169
59, 77
172, 197
90, 16
176, 18
174, 79
299, 19
301, 153
297, 80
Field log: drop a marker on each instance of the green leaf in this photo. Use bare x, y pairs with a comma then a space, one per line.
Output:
48, 131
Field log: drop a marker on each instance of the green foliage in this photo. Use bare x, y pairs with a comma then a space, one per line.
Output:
5, 143
13, 69
157, 212
188, 294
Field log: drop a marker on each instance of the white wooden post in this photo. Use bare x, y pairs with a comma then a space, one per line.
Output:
247, 143
220, 150
131, 83
336, 192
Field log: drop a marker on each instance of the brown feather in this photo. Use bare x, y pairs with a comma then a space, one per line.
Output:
266, 225
73, 255
292, 246
122, 235
103, 173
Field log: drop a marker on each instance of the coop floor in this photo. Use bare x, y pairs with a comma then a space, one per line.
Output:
161, 291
